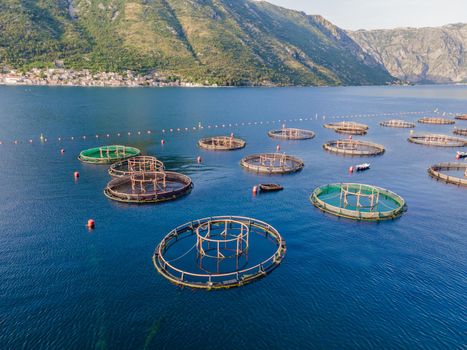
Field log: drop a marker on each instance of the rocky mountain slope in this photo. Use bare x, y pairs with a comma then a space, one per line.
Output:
226, 42
423, 55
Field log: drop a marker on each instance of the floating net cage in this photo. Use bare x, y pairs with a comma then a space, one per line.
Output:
108, 154
350, 128
439, 121
354, 148
461, 117
461, 132
438, 140
219, 252
397, 123
291, 134
136, 164
272, 163
452, 173
148, 187
221, 143
358, 201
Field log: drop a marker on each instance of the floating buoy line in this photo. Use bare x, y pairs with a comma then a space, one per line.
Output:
43, 139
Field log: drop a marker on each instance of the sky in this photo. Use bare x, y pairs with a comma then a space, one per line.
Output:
379, 14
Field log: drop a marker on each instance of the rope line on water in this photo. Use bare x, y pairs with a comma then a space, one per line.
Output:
43, 139
182, 256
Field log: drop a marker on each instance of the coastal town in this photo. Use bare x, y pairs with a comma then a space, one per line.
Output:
69, 77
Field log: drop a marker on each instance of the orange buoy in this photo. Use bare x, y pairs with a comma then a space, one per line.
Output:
76, 174
90, 224
458, 156
62, 151
199, 159
254, 189
351, 169
162, 142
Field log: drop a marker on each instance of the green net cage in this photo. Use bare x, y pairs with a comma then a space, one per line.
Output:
108, 154
358, 201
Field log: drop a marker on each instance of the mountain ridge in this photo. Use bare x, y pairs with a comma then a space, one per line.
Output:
419, 55
222, 42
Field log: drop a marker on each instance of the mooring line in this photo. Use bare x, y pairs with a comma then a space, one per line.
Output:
170, 131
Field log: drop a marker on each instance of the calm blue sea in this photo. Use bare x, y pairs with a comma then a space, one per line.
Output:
343, 284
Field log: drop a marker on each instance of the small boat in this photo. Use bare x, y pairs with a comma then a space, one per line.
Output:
461, 155
362, 167
270, 187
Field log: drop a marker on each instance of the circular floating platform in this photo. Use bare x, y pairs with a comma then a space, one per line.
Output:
354, 148
461, 132
221, 143
438, 140
219, 252
438, 172
148, 187
397, 123
136, 164
108, 154
350, 128
461, 117
439, 121
351, 131
358, 201
272, 163
291, 134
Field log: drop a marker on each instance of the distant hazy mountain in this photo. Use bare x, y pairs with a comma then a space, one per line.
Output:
228, 42
422, 55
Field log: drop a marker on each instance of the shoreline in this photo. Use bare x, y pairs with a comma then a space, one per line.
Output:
61, 77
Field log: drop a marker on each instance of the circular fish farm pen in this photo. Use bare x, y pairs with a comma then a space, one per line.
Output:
452, 173
461, 117
219, 252
108, 154
136, 164
148, 187
354, 148
439, 121
291, 134
396, 123
358, 201
221, 143
461, 132
272, 163
438, 140
350, 128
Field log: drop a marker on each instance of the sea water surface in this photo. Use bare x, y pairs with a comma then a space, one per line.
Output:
343, 284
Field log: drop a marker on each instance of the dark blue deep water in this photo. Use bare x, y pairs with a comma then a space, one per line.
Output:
343, 284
